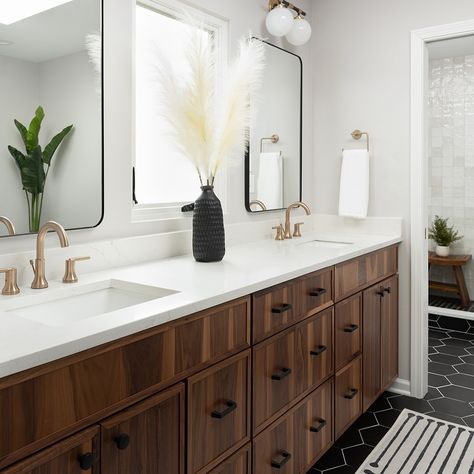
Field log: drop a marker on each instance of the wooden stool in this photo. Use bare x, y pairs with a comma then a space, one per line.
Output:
456, 262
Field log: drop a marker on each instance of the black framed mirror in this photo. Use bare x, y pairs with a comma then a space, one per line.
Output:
273, 163
51, 119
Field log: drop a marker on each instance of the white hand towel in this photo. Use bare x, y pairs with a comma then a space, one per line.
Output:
354, 190
270, 180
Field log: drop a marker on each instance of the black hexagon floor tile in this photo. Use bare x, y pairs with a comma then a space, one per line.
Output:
468, 359
356, 455
441, 369
447, 417
461, 343
462, 380
432, 393
446, 359
467, 369
414, 404
350, 438
437, 380
333, 458
460, 335
452, 350
458, 393
470, 350
452, 407
379, 405
435, 342
469, 420
373, 435
438, 334
364, 421
387, 417
432, 350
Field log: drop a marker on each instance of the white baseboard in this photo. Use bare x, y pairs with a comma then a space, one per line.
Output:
401, 386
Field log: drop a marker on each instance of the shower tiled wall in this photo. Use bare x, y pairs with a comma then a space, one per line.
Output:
451, 153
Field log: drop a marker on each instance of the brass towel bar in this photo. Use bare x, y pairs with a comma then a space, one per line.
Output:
274, 139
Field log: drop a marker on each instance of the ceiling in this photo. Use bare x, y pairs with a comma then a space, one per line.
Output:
449, 48
54, 33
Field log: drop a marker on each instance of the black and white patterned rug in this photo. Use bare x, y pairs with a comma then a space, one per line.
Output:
418, 443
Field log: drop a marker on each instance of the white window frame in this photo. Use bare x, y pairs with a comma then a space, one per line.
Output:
220, 28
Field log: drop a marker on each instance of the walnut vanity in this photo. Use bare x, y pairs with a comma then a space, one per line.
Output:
261, 384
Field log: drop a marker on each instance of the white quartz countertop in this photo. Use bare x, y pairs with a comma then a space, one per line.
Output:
245, 269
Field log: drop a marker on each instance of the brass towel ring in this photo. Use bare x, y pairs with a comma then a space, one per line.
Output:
357, 135
274, 139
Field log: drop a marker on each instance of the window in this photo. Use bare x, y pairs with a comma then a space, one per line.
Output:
164, 178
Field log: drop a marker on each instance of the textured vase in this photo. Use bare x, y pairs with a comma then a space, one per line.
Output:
208, 227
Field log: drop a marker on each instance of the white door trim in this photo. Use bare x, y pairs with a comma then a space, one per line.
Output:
419, 214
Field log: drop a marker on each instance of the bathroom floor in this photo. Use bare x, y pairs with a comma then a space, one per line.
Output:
450, 397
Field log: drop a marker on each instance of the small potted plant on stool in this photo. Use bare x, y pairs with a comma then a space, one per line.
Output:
443, 235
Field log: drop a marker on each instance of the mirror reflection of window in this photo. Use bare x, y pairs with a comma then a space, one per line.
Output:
164, 178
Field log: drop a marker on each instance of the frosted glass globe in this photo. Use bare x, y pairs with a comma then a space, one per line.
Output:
279, 21
300, 33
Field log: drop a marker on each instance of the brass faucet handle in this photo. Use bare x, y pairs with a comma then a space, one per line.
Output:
297, 231
279, 232
11, 286
70, 270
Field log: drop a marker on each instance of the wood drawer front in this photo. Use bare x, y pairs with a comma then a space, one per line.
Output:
239, 463
348, 396
274, 309
64, 457
283, 305
147, 437
218, 412
299, 438
290, 364
315, 291
361, 272
40, 406
348, 330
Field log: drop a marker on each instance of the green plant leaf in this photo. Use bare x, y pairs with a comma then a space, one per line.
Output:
52, 146
23, 131
18, 156
32, 135
32, 174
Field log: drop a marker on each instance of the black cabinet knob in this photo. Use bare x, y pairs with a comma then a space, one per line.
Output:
318, 292
283, 308
279, 461
351, 328
317, 428
122, 441
281, 374
387, 290
86, 461
230, 406
351, 394
318, 351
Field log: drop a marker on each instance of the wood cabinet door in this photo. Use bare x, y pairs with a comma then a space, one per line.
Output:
389, 332
372, 344
147, 437
348, 330
218, 412
348, 396
78, 454
239, 463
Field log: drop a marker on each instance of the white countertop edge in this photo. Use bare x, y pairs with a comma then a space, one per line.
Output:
71, 347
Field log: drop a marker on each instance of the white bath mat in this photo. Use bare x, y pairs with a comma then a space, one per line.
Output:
419, 444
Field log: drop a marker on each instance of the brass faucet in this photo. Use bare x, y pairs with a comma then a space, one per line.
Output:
38, 265
295, 205
8, 224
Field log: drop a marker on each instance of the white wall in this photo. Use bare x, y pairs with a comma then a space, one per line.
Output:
245, 16
361, 77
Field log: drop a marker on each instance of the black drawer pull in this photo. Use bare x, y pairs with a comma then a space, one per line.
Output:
318, 292
387, 290
282, 308
318, 351
281, 460
381, 293
122, 441
321, 424
352, 393
86, 461
230, 407
283, 373
351, 328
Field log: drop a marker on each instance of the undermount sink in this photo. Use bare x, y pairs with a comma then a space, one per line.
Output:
87, 301
326, 244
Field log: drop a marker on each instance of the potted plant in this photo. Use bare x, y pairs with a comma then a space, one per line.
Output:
210, 125
443, 235
35, 163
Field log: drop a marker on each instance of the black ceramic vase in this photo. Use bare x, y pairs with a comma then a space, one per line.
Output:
208, 227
